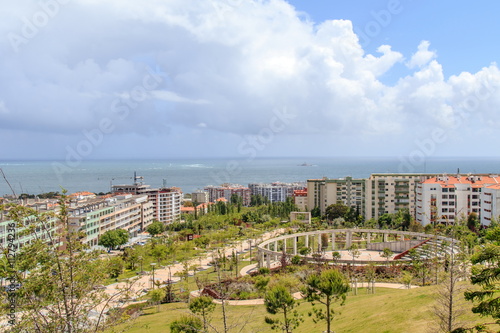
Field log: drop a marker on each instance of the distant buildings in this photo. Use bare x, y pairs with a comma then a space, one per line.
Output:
200, 197
226, 191
275, 192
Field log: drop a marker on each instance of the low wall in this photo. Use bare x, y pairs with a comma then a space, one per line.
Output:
399, 246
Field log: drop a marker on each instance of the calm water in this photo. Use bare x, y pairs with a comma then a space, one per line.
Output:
97, 176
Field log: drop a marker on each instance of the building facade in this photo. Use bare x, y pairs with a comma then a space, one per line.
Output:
132, 213
166, 201
445, 198
226, 191
275, 192
325, 192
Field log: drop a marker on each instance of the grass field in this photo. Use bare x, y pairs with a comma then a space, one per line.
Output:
386, 311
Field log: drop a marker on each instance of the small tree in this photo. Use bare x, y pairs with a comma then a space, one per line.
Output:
387, 254
155, 228
326, 288
202, 306
278, 299
157, 295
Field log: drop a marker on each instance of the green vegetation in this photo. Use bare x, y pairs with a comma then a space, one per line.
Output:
388, 311
114, 238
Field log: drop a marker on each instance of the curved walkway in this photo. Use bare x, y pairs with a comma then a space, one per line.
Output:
259, 301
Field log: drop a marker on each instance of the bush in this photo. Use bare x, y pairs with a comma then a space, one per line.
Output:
264, 270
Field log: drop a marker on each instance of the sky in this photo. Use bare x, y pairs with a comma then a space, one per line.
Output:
122, 79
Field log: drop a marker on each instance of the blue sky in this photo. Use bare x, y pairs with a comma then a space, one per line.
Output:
245, 78
464, 35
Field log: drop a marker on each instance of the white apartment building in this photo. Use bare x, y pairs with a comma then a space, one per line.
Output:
275, 192
444, 198
490, 204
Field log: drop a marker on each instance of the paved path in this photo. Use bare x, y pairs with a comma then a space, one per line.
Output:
259, 301
162, 274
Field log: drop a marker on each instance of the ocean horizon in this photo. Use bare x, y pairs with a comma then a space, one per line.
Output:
35, 176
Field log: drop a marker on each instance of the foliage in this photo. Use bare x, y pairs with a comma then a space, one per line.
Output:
114, 238
186, 324
115, 267
63, 284
202, 306
155, 228
487, 299
327, 287
336, 210
157, 295
386, 253
279, 299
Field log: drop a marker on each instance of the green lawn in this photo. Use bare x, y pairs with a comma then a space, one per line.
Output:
386, 311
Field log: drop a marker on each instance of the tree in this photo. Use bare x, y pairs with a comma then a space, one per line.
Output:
335, 211
202, 306
473, 222
155, 228
186, 324
386, 253
278, 299
449, 306
326, 288
113, 238
487, 299
157, 295
62, 287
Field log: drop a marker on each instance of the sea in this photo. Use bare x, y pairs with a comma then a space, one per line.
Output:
34, 177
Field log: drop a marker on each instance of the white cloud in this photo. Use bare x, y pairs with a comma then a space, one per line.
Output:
227, 66
423, 56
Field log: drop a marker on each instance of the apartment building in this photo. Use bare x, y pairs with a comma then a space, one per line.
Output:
275, 192
324, 192
373, 197
166, 201
12, 233
490, 204
226, 191
444, 198
200, 197
300, 199
96, 216
389, 193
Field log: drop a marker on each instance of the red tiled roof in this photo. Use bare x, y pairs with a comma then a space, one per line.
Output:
474, 181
